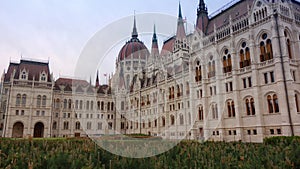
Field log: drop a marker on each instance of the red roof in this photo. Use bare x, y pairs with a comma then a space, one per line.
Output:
135, 49
168, 46
33, 68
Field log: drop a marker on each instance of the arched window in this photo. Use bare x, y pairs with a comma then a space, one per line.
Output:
198, 72
181, 120
57, 104
178, 90
144, 125
66, 125
297, 102
245, 59
54, 125
102, 105
80, 104
200, 112
288, 45
18, 100
149, 123
112, 106
39, 101
230, 108
99, 126
70, 104
92, 105
227, 65
172, 118
163, 121
214, 109
87, 105
44, 101
211, 67
108, 106
77, 125
266, 50
250, 106
273, 105
24, 97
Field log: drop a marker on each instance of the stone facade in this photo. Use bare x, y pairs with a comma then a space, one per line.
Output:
235, 78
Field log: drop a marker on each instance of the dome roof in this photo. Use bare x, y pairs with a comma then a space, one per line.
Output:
133, 49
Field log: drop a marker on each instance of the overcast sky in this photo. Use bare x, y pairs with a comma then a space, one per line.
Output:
58, 30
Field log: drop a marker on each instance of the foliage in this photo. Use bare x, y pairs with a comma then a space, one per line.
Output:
279, 152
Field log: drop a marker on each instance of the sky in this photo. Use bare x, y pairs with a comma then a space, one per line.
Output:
58, 30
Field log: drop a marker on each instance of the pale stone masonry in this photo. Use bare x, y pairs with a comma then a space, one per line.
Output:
236, 77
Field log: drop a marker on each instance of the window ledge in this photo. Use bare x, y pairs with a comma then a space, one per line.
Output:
249, 116
271, 114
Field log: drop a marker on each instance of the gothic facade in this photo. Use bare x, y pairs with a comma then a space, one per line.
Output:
236, 77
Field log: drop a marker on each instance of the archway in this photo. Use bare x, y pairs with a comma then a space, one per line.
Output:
18, 129
38, 130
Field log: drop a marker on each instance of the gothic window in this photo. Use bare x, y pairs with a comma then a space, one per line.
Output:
18, 100
112, 106
102, 106
89, 125
87, 105
92, 105
172, 118
198, 72
297, 102
163, 121
187, 88
24, 98
214, 110
250, 106
230, 108
245, 59
43, 77
227, 64
266, 50
273, 105
288, 45
201, 114
65, 103
99, 126
66, 125
77, 125
211, 67
23, 75
181, 120
70, 104
54, 125
39, 101
149, 123
57, 104
44, 99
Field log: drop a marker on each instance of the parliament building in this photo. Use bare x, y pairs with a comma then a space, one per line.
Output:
235, 78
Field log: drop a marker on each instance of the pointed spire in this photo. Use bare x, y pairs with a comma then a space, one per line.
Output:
180, 13
154, 49
202, 17
180, 25
97, 79
202, 7
134, 32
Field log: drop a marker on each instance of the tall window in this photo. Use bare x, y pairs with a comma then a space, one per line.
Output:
39, 101
172, 118
44, 101
297, 102
250, 106
288, 45
181, 120
273, 105
77, 125
244, 56
89, 125
70, 104
24, 99
227, 65
66, 125
214, 109
211, 67
266, 51
163, 121
230, 108
18, 100
200, 112
99, 126
54, 125
87, 105
198, 76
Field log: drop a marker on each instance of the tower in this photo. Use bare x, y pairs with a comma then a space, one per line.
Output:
202, 17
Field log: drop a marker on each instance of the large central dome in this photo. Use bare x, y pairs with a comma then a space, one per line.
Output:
134, 48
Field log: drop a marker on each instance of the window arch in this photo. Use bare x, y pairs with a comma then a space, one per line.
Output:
273, 105
18, 100
230, 108
214, 110
38, 101
24, 98
172, 118
200, 113
149, 123
245, 59
77, 125
66, 125
65, 103
181, 119
211, 67
163, 121
288, 45
250, 106
70, 104
57, 104
266, 50
297, 102
198, 72
227, 64
54, 125
44, 99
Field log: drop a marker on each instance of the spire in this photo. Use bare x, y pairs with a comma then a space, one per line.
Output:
134, 32
202, 17
97, 80
154, 49
180, 26
180, 13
